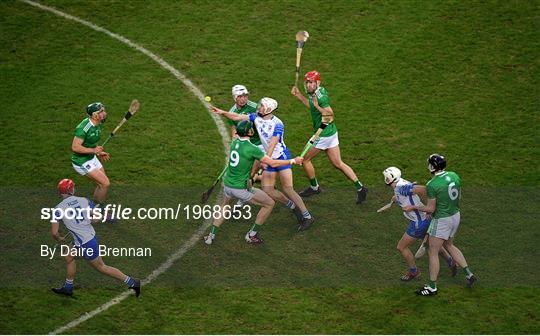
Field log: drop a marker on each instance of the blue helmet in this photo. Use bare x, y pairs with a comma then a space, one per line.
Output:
436, 162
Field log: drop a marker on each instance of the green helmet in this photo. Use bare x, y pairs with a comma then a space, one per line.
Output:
94, 107
243, 128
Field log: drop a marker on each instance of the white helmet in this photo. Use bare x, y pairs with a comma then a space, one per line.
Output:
239, 90
391, 174
269, 103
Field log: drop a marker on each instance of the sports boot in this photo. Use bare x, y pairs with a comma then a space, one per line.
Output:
309, 191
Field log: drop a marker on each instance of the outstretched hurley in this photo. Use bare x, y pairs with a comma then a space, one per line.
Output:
133, 108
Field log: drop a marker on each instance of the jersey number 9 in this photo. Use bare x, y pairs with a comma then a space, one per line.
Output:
234, 159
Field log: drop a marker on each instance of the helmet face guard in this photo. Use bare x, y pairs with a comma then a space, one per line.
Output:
313, 76
95, 107
239, 90
436, 163
391, 175
269, 105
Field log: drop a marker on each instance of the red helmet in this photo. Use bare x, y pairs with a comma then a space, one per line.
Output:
66, 186
312, 75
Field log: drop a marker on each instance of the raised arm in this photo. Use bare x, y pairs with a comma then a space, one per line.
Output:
230, 115
295, 92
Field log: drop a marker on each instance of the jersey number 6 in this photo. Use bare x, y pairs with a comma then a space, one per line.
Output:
452, 191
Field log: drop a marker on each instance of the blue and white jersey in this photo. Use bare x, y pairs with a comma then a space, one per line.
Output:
267, 129
72, 211
405, 196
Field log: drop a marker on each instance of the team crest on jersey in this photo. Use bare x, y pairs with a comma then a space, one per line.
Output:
264, 134
264, 128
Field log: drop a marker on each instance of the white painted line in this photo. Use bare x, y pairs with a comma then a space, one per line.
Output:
180, 76
196, 237
224, 137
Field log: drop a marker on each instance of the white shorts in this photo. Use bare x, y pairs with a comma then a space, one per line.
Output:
327, 142
242, 194
88, 166
445, 227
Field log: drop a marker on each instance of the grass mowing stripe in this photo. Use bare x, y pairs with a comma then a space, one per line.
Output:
222, 131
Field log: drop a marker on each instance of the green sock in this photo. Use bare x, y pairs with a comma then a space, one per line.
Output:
314, 183
213, 229
254, 229
358, 184
432, 284
467, 271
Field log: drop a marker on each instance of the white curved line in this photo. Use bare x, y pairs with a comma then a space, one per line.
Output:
180, 76
222, 131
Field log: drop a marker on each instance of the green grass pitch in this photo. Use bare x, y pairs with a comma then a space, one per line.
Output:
405, 78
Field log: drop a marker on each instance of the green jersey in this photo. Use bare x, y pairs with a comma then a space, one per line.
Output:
446, 189
90, 135
241, 158
316, 116
250, 107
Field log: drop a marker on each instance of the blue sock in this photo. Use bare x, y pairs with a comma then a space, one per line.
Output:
68, 284
129, 281
449, 261
306, 214
413, 269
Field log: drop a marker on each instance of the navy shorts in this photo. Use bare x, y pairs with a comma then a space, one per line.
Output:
285, 156
418, 231
89, 250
